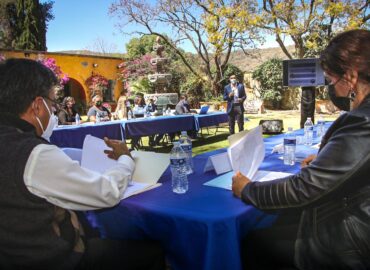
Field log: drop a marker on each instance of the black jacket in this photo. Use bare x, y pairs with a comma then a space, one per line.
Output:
334, 195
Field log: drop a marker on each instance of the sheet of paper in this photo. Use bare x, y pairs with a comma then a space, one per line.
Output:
149, 166
247, 154
225, 180
136, 188
233, 139
93, 156
219, 162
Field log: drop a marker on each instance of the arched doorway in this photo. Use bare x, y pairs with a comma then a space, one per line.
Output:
74, 89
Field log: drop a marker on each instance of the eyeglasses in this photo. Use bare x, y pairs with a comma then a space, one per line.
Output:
53, 101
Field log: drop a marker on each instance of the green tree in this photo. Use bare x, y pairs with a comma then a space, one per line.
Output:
208, 26
269, 74
31, 26
7, 23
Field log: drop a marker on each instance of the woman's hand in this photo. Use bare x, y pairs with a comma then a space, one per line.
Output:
307, 160
239, 182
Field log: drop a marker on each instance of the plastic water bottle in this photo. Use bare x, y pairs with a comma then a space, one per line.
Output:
320, 127
308, 131
129, 115
290, 143
186, 145
178, 169
78, 119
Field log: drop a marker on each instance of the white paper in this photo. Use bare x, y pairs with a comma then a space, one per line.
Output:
219, 162
148, 166
247, 154
225, 180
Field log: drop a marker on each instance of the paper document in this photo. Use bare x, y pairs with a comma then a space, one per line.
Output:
149, 166
248, 152
225, 180
219, 162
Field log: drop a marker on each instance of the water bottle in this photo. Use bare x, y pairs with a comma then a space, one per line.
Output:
129, 115
186, 145
78, 119
178, 169
308, 131
289, 147
320, 127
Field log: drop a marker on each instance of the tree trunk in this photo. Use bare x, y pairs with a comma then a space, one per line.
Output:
307, 104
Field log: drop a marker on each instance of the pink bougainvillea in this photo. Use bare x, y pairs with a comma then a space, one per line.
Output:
135, 69
51, 64
97, 82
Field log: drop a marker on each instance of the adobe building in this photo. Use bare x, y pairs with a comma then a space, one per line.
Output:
79, 67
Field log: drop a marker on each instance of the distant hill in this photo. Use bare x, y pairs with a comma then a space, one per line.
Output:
246, 62
256, 57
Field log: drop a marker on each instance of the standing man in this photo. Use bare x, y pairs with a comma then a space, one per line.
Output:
235, 95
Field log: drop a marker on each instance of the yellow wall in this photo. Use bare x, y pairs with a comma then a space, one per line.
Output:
78, 68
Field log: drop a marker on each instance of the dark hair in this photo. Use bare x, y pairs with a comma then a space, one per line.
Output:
21, 81
348, 50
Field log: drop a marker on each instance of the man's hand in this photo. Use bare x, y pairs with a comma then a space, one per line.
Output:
119, 148
239, 182
307, 160
231, 94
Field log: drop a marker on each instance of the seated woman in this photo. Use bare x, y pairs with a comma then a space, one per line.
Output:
139, 107
138, 111
66, 115
121, 109
98, 112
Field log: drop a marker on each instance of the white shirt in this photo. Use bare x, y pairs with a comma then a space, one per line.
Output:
52, 175
236, 93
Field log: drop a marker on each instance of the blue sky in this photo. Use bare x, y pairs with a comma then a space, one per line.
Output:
79, 23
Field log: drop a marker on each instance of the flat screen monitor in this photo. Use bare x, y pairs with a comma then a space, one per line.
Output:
303, 72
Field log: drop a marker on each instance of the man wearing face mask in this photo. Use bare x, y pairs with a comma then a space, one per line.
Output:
234, 94
41, 186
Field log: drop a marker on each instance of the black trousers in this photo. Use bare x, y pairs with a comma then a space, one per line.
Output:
271, 248
236, 113
108, 254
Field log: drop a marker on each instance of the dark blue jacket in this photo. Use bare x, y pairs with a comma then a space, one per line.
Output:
230, 100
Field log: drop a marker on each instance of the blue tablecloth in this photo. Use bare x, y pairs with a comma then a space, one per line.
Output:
201, 229
210, 119
158, 125
73, 136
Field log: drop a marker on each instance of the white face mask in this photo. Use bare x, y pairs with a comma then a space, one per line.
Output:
233, 81
53, 121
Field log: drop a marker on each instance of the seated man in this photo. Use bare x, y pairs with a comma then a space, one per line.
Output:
98, 112
41, 186
183, 105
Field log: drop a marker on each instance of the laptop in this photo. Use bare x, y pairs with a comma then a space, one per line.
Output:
204, 110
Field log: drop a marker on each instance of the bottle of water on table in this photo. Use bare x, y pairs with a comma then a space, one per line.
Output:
290, 143
178, 169
78, 119
129, 115
308, 131
320, 127
186, 145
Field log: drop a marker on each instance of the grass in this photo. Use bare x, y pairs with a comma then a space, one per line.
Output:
209, 140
